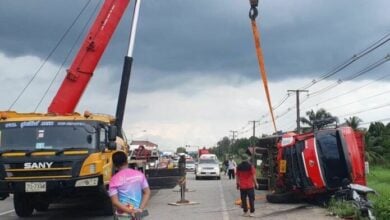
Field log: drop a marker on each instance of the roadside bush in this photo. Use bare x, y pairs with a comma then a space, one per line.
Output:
382, 207
379, 180
343, 209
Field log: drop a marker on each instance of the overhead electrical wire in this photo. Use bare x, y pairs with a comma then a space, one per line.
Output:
349, 78
383, 40
366, 110
351, 60
381, 120
68, 55
360, 100
50, 54
349, 91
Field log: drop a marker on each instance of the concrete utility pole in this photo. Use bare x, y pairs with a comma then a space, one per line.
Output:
252, 141
234, 133
298, 110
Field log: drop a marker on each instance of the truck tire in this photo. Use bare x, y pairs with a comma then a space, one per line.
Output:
287, 197
107, 208
23, 205
41, 206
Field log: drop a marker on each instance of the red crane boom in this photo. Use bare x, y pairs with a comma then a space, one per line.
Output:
86, 60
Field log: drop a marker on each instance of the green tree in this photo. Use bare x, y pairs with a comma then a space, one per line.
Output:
319, 119
378, 143
353, 122
223, 148
181, 150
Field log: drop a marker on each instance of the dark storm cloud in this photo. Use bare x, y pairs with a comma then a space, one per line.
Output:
299, 38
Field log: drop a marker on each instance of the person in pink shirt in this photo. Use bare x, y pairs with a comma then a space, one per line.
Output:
129, 189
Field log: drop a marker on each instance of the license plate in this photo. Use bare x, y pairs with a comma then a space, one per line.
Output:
35, 186
282, 166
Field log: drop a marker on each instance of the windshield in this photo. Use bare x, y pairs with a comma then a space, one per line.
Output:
37, 135
208, 161
332, 157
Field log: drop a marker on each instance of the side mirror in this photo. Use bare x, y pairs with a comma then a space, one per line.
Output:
112, 145
112, 133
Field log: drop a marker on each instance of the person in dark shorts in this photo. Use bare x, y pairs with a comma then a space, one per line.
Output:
246, 183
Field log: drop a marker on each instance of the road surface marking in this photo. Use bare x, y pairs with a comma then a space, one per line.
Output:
225, 215
6, 212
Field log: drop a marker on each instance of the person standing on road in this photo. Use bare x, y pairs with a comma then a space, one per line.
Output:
129, 189
246, 183
231, 168
226, 166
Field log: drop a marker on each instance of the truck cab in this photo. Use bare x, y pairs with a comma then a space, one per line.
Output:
43, 158
311, 164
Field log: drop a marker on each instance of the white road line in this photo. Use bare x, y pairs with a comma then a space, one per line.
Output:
6, 212
225, 214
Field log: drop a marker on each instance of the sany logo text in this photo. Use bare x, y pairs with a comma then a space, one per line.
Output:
36, 165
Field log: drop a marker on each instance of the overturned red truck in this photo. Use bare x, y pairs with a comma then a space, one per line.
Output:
314, 165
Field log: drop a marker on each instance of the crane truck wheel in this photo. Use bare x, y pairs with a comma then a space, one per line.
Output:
41, 206
106, 205
23, 205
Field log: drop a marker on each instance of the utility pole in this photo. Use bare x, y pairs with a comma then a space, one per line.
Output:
252, 141
298, 110
234, 133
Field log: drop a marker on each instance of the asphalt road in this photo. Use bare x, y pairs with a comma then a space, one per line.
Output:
214, 199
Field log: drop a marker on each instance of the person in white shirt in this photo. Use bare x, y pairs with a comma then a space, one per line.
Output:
232, 168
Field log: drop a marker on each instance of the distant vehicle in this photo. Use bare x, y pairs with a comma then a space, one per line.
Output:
207, 168
208, 156
190, 165
202, 151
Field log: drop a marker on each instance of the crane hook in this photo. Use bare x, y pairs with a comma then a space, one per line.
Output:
253, 12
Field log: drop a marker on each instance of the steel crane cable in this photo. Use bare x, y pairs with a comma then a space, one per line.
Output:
67, 55
351, 60
253, 13
50, 54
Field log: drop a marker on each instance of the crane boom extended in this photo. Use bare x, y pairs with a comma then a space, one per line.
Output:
86, 60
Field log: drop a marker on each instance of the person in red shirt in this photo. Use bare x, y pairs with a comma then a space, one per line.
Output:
246, 183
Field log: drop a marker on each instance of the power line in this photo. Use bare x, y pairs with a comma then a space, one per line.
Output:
354, 76
366, 110
66, 57
349, 61
362, 99
349, 91
50, 54
380, 120
342, 66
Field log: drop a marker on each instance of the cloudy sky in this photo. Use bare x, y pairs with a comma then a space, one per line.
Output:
195, 75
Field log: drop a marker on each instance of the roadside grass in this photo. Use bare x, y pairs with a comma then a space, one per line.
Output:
379, 180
